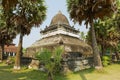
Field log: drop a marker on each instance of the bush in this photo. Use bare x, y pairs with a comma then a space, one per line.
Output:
10, 60
106, 60
51, 60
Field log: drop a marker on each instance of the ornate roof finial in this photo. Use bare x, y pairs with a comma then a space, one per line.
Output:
59, 12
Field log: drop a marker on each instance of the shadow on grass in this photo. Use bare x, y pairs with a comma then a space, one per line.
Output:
7, 73
82, 73
83, 76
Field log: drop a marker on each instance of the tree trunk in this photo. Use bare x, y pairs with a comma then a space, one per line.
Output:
96, 54
103, 50
116, 54
19, 52
2, 52
0, 55
111, 56
50, 77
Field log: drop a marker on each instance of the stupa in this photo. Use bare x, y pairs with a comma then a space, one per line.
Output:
60, 33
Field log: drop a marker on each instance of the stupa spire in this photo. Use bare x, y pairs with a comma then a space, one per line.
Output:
59, 12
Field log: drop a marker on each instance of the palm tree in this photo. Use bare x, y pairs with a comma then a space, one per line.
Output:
107, 34
2, 23
8, 4
26, 14
7, 34
116, 20
6, 37
89, 11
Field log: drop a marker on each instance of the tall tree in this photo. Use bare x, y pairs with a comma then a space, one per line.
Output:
7, 34
116, 20
32, 14
24, 15
89, 11
6, 37
2, 23
8, 4
107, 34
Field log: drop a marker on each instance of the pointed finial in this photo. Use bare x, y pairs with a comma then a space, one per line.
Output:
59, 12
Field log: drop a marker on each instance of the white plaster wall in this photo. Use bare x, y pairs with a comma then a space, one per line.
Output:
60, 31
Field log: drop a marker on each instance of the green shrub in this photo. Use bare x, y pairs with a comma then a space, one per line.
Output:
106, 60
51, 60
10, 60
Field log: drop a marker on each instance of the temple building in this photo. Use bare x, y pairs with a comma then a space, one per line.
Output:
61, 33
9, 50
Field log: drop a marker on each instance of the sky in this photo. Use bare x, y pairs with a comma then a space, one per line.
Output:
53, 7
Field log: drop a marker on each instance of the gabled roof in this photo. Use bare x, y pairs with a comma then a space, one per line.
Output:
10, 48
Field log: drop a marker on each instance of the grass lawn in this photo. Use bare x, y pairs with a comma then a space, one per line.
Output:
111, 72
